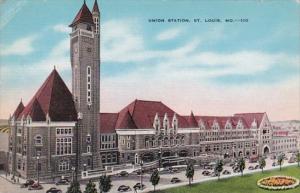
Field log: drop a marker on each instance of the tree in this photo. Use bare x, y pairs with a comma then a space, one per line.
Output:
189, 173
262, 164
218, 168
90, 187
154, 178
298, 158
280, 159
105, 183
241, 165
74, 187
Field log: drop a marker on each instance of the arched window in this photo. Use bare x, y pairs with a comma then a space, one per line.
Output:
38, 140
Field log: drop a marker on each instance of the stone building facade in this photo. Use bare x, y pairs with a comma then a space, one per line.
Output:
46, 133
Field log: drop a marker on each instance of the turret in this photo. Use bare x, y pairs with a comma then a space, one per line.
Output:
96, 16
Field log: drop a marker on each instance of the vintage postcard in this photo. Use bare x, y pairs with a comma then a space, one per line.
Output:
165, 96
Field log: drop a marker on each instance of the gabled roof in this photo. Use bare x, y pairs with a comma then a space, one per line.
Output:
84, 15
18, 110
35, 111
140, 115
108, 122
191, 119
250, 117
95, 7
54, 98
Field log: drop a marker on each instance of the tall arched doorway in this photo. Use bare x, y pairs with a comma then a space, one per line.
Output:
266, 150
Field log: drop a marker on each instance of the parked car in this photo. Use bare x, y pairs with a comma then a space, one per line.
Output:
213, 174
232, 164
206, 173
124, 188
226, 172
138, 172
236, 170
175, 180
138, 186
123, 174
208, 167
250, 168
35, 186
27, 183
173, 170
273, 164
54, 190
256, 167
64, 181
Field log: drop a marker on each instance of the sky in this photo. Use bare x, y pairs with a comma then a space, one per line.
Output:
210, 68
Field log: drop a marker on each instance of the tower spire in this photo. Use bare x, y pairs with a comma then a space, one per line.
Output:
95, 7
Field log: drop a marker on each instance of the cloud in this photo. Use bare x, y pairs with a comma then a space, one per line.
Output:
63, 28
9, 14
21, 47
297, 1
169, 34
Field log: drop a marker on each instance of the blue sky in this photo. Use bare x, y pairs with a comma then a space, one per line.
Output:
210, 68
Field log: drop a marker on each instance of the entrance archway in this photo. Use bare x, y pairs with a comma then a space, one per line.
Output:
148, 157
240, 153
266, 150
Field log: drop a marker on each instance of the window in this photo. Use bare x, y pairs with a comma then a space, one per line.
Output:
88, 138
88, 149
89, 74
128, 145
64, 166
38, 140
64, 132
63, 145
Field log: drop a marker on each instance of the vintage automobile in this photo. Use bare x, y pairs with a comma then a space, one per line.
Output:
35, 186
63, 181
27, 183
175, 180
124, 188
138, 186
226, 172
54, 190
123, 174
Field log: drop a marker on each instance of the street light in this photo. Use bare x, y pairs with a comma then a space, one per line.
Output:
73, 171
159, 161
38, 168
141, 164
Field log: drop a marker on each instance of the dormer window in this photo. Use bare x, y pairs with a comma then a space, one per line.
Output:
175, 123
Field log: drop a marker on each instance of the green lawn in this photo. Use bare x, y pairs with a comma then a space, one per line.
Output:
245, 184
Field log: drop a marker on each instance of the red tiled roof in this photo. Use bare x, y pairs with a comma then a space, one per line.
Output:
108, 122
54, 98
95, 7
191, 120
250, 117
35, 111
140, 115
18, 110
84, 15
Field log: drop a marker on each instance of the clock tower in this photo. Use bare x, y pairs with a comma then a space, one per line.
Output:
85, 62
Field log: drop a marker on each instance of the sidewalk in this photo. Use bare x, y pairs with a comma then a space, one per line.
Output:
10, 179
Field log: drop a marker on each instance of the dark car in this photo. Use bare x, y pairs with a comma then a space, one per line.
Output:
123, 174
273, 164
256, 167
206, 173
138, 186
62, 182
226, 172
124, 188
236, 170
208, 167
27, 183
175, 180
54, 190
173, 170
250, 168
35, 186
213, 174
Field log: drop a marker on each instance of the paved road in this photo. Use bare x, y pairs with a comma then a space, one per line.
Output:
8, 187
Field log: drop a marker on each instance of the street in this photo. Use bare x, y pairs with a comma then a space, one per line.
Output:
132, 179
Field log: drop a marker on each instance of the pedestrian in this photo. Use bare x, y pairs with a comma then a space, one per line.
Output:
135, 190
18, 180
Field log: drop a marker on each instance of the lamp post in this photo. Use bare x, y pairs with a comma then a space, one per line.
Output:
73, 171
141, 164
159, 161
38, 168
